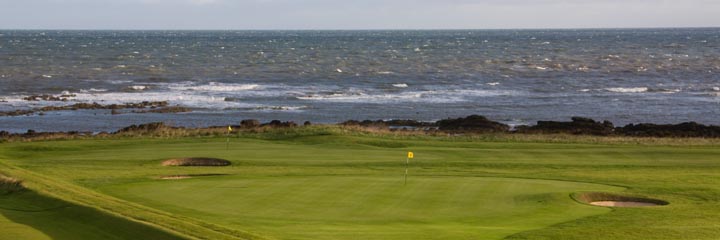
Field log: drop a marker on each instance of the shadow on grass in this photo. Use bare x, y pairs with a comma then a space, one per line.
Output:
58, 219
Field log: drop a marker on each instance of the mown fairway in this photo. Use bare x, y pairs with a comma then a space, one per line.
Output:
328, 185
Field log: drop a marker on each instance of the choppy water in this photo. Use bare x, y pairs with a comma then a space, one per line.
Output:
518, 77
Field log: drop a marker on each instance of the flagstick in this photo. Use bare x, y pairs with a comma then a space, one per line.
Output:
227, 141
407, 162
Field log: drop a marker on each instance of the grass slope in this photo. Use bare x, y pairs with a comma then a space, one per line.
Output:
330, 185
28, 215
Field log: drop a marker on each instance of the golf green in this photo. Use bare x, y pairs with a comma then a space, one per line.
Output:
368, 207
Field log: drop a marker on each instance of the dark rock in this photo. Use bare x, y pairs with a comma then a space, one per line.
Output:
473, 123
274, 123
16, 113
687, 129
149, 127
173, 109
578, 125
249, 123
279, 124
383, 123
95, 106
350, 123
46, 97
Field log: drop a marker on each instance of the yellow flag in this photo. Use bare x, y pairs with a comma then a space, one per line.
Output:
410, 154
229, 129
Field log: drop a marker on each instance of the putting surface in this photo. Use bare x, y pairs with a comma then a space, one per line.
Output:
369, 207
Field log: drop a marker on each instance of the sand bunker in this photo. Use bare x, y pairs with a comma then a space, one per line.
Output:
199, 161
623, 204
177, 177
613, 200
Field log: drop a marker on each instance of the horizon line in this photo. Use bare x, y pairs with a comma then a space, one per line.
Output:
350, 29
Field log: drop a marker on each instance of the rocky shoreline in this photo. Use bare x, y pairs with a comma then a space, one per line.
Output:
144, 107
577, 126
474, 124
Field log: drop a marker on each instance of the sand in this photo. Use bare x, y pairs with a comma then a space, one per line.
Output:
623, 204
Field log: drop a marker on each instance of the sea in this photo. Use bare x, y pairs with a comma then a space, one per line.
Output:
512, 76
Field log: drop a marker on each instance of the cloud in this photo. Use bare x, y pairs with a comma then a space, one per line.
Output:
348, 14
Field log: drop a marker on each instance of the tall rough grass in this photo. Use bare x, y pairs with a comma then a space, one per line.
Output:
287, 133
9, 184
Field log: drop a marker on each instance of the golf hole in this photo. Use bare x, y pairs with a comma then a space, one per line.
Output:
196, 161
614, 200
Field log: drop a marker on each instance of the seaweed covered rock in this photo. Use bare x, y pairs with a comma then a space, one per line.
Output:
249, 123
16, 113
279, 124
387, 123
171, 109
578, 125
687, 129
472, 123
149, 127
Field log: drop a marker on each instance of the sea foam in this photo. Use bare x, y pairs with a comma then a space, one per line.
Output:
214, 87
628, 90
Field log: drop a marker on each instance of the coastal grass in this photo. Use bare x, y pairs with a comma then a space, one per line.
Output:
339, 183
9, 185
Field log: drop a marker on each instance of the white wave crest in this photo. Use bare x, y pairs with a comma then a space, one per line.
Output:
93, 90
138, 87
667, 91
430, 96
628, 90
174, 98
400, 85
281, 108
214, 87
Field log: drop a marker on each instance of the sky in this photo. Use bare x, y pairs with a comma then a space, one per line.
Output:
358, 14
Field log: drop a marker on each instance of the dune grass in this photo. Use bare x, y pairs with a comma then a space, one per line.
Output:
335, 183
